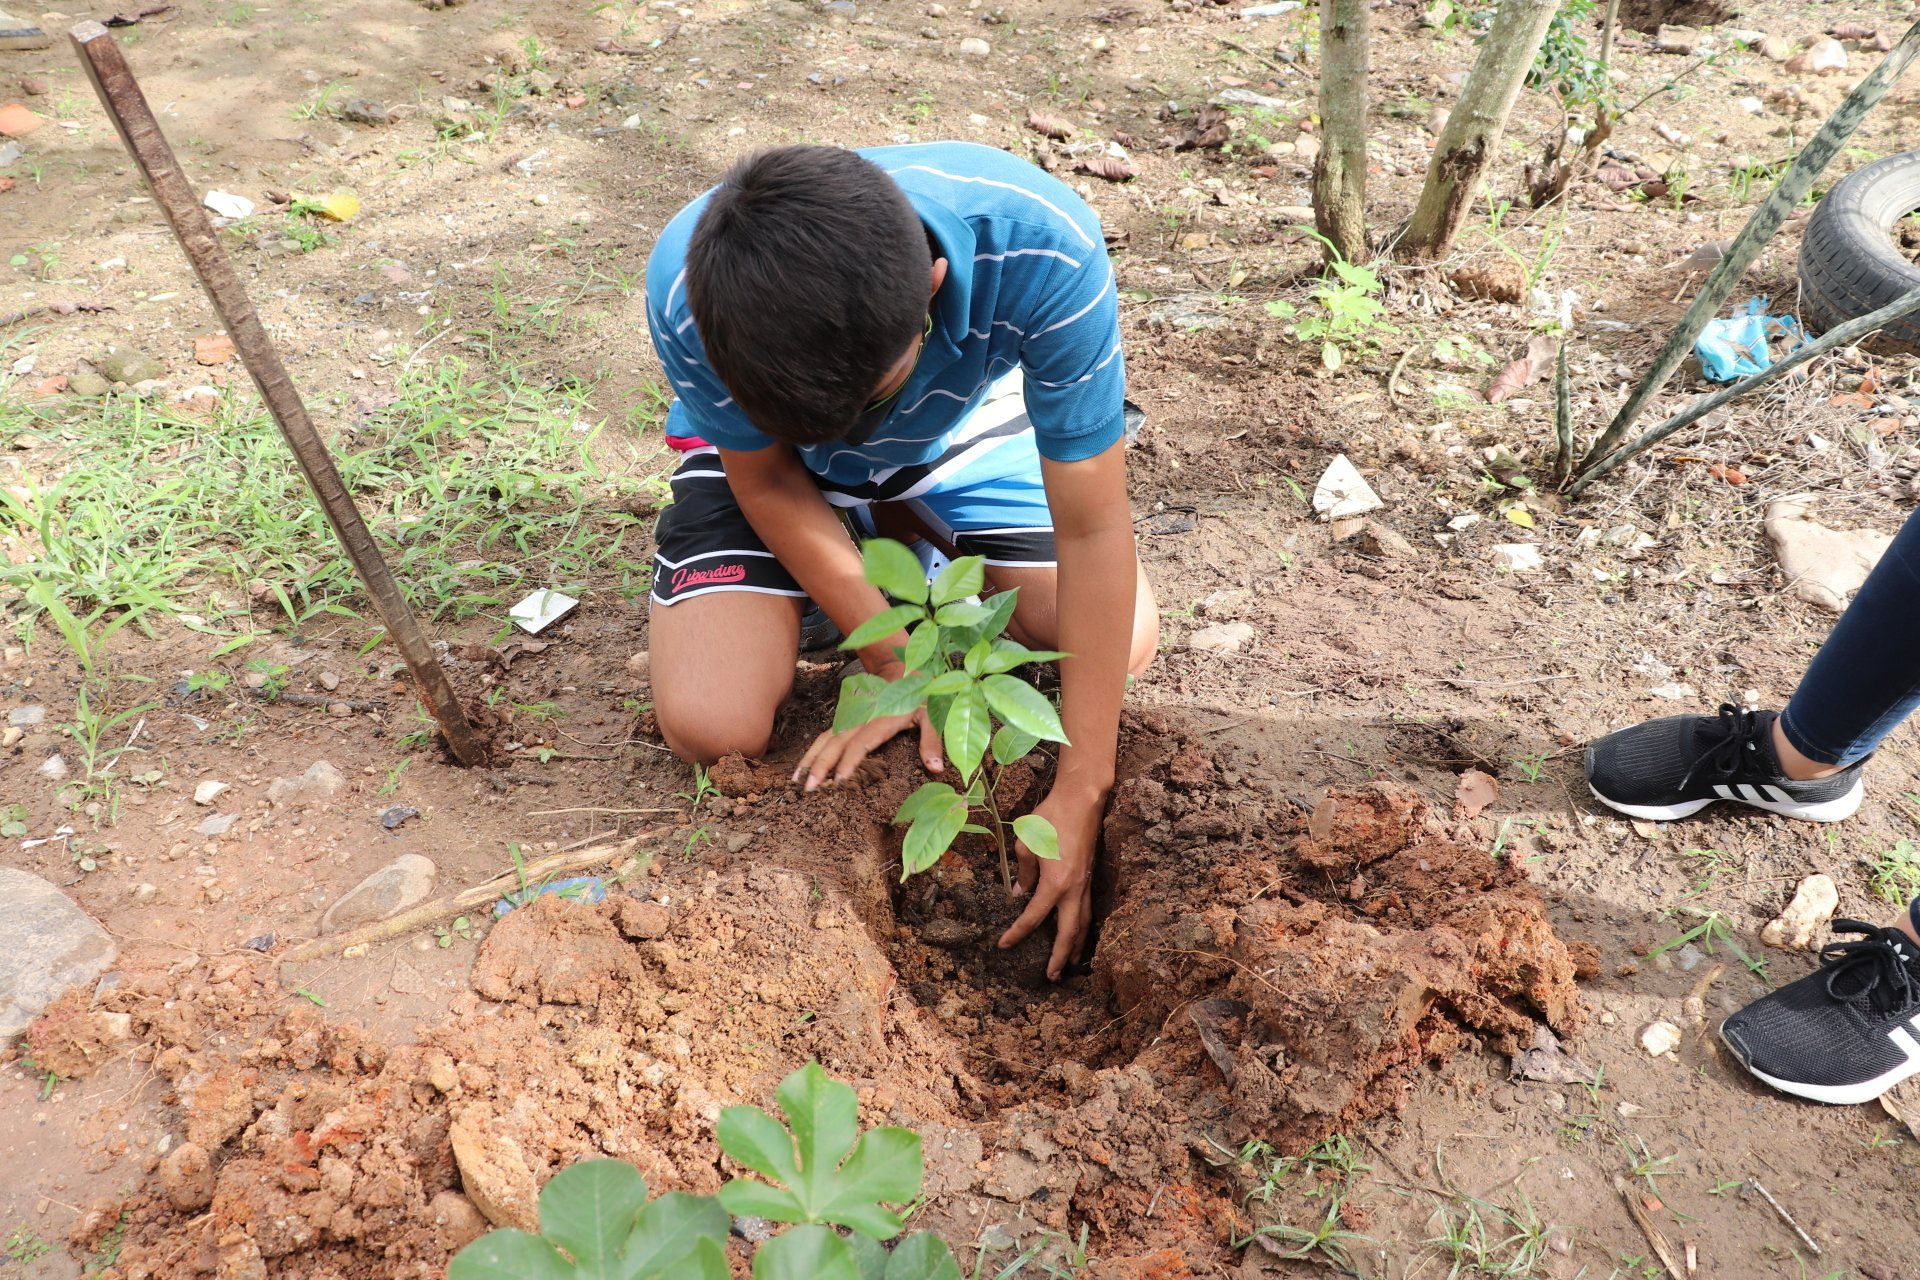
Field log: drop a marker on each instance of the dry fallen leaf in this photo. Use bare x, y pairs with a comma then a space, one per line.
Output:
1732, 475
341, 206
1539, 358
1476, 791
213, 348
1112, 168
1211, 128
1059, 128
1521, 516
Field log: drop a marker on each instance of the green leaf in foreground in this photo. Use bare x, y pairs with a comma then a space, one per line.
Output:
1038, 835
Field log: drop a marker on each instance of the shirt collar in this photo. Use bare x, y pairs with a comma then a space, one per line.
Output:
953, 304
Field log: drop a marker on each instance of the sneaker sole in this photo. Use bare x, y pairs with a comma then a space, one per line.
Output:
1839, 1095
1835, 810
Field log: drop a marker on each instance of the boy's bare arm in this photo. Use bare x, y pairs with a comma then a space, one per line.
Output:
784, 506
1098, 577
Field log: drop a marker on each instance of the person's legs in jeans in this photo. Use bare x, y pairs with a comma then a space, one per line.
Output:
1866, 678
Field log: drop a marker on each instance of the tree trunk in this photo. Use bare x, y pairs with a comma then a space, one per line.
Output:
1340, 170
1472, 134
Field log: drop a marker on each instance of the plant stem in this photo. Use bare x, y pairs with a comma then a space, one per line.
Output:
999, 827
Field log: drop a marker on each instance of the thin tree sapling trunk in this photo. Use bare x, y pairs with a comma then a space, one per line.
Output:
1340, 170
1472, 133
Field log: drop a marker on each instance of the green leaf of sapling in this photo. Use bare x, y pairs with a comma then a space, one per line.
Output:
902, 696
886, 1166
922, 1256
589, 1208
931, 835
967, 730
882, 624
805, 1253
708, 1261
869, 1255
929, 798
961, 578
756, 1140
923, 646
1010, 744
745, 1198
510, 1255
948, 682
1024, 707
976, 660
962, 614
1008, 654
1038, 835
857, 695
894, 569
824, 1115
669, 1231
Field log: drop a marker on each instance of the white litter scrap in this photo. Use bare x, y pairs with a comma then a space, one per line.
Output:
228, 205
1270, 10
540, 610
1342, 491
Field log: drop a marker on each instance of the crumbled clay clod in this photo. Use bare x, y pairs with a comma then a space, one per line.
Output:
1660, 1038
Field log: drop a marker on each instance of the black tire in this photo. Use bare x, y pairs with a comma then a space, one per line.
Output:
1849, 261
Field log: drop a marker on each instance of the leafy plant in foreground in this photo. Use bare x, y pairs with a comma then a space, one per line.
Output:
596, 1222
1349, 314
957, 659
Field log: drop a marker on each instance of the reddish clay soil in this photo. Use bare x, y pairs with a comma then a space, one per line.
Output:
1338, 963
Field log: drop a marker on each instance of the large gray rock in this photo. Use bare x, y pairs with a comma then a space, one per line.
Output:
404, 882
48, 945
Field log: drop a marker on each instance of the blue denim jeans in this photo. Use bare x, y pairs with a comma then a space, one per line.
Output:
1866, 678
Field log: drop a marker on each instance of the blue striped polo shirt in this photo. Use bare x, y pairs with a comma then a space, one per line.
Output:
1028, 286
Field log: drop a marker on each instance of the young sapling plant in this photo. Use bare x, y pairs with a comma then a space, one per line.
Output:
958, 663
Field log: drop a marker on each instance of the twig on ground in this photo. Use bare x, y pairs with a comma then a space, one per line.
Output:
1662, 1247
1784, 1215
1393, 379
454, 904
591, 808
318, 700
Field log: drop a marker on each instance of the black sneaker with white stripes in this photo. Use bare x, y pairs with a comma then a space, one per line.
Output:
1677, 766
1847, 1032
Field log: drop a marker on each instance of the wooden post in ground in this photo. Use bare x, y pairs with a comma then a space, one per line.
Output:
127, 107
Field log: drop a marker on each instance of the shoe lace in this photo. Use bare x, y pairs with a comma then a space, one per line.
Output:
1726, 740
1879, 965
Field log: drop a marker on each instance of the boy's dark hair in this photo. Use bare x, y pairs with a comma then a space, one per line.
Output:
807, 276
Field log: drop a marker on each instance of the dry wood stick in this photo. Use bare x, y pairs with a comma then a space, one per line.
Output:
1662, 1247
1784, 1215
126, 106
454, 904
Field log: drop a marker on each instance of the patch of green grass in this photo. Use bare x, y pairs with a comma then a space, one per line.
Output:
23, 1246
1894, 875
478, 486
1476, 1237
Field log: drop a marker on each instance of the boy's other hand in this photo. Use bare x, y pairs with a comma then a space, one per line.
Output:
1062, 886
836, 755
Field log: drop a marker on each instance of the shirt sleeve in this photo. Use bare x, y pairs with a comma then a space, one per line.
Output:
1070, 357
702, 405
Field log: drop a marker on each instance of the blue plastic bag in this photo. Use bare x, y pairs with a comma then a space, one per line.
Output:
1736, 348
584, 888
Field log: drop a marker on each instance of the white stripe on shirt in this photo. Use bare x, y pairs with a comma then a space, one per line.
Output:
1061, 324
1027, 253
1083, 377
1006, 186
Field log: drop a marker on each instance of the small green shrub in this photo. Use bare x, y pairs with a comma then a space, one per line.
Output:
596, 1222
957, 659
1348, 315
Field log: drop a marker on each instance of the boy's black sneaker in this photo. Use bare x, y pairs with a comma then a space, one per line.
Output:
1847, 1032
817, 630
1676, 766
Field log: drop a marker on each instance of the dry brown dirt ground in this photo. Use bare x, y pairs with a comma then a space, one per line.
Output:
1303, 942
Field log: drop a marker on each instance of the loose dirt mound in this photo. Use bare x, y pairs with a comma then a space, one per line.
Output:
1319, 972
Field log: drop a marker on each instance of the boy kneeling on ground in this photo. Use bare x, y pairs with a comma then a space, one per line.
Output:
919, 342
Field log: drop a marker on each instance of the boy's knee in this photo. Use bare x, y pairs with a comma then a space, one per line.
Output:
701, 736
1146, 637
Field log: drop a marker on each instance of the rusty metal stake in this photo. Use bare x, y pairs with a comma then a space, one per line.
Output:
127, 107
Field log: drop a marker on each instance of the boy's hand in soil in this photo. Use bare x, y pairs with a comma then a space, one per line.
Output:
1063, 884
837, 755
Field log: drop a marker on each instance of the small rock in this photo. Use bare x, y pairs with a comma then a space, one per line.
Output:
364, 111
975, 47
228, 205
209, 791
88, 384
320, 782
129, 366
48, 946
1371, 538
33, 86
641, 920
54, 768
404, 882
1800, 925
26, 717
456, 1220
339, 709
1222, 637
329, 681
217, 824
186, 1175
1825, 54
1518, 557
1659, 1038
1437, 120
493, 1171
1822, 566
1752, 106
1671, 39
11, 737
1774, 48
1306, 147
738, 841
145, 893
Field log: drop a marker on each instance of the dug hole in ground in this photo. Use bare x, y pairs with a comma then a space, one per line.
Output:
1372, 974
